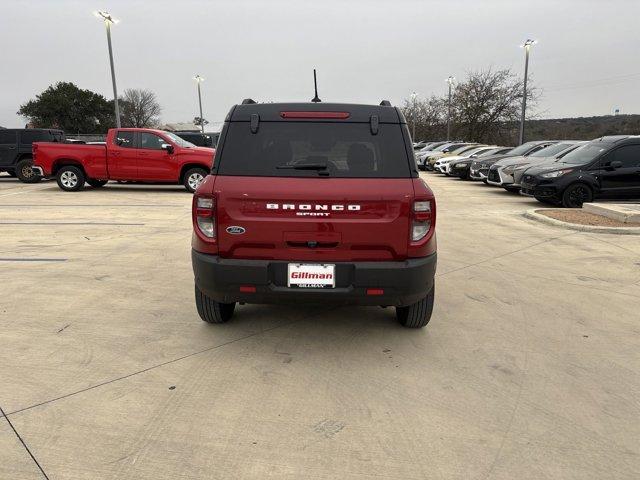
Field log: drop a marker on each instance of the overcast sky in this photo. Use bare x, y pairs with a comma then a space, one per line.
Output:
586, 60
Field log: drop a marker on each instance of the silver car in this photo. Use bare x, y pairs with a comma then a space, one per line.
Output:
501, 173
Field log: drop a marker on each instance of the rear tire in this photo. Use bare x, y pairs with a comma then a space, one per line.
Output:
211, 311
70, 178
418, 314
193, 178
25, 173
97, 183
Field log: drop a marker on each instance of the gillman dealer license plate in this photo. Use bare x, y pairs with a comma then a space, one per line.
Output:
304, 275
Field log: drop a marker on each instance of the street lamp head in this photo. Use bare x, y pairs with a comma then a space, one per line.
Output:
414, 95
198, 78
529, 43
106, 16
450, 79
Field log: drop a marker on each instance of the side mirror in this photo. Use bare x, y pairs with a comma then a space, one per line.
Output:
168, 147
616, 164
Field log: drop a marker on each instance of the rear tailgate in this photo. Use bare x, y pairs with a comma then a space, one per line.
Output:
317, 219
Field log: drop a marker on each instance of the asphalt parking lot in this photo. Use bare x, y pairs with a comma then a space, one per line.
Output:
529, 369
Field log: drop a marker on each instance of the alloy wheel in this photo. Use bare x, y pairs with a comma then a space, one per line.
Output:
578, 195
69, 179
27, 172
194, 180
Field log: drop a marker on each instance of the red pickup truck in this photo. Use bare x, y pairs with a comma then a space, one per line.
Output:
319, 203
129, 154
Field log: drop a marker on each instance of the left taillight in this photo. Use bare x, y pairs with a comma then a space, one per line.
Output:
204, 208
421, 221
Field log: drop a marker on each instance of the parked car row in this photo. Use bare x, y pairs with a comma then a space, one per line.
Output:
560, 172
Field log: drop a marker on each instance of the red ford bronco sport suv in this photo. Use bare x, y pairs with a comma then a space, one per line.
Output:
314, 202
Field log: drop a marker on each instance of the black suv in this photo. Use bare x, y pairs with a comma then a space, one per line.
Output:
606, 167
15, 150
200, 139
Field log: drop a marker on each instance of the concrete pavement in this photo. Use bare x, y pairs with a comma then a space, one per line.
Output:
529, 369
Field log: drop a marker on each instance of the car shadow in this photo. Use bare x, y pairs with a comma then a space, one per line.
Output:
115, 188
307, 319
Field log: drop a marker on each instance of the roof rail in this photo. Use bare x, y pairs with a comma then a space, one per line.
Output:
248, 101
385, 103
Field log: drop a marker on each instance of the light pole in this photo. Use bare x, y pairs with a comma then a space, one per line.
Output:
527, 46
413, 97
450, 81
199, 80
108, 20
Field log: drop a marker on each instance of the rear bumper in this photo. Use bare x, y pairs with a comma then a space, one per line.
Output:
403, 282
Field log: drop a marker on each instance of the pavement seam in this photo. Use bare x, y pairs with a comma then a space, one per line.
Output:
153, 367
24, 444
506, 254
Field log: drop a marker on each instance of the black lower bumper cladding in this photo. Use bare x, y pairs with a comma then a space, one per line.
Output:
403, 283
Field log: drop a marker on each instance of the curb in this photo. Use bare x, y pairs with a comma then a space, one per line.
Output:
534, 215
613, 211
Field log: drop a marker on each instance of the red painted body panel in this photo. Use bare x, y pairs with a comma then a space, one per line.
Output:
350, 219
112, 162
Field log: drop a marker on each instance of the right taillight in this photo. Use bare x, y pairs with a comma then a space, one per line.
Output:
204, 214
421, 221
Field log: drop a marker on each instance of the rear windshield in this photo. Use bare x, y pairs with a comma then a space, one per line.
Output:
27, 137
312, 149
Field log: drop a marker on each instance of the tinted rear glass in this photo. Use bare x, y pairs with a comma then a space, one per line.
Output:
309, 149
28, 137
7, 138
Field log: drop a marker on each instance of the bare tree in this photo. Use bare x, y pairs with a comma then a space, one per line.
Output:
486, 106
140, 108
428, 114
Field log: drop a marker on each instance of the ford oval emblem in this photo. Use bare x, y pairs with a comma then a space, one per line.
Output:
235, 230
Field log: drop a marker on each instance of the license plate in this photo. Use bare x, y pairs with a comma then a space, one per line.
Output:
304, 275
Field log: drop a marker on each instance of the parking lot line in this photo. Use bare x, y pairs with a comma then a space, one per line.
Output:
74, 223
33, 259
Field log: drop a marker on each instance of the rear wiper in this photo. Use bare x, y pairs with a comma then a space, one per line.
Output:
304, 166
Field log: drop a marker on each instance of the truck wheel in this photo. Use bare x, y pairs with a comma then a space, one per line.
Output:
193, 178
25, 173
97, 183
211, 311
418, 314
70, 178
